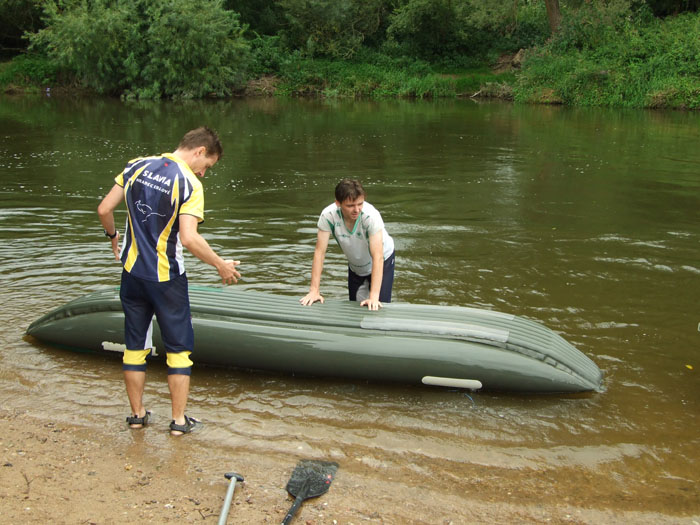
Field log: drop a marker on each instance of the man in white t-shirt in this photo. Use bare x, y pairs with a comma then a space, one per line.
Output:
359, 230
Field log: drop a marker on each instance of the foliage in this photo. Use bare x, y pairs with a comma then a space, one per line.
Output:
375, 76
28, 70
263, 17
147, 49
592, 24
607, 52
331, 28
526, 28
16, 18
673, 7
426, 28
443, 29
633, 61
429, 29
267, 55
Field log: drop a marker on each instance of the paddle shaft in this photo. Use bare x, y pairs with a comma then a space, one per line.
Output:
293, 509
229, 496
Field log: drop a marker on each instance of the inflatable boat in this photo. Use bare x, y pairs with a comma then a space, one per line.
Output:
448, 346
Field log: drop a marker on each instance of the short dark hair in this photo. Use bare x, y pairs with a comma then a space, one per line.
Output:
349, 189
202, 136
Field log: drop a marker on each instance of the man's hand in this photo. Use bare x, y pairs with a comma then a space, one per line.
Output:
310, 298
372, 304
228, 272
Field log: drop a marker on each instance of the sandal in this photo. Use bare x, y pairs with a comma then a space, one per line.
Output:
191, 424
136, 420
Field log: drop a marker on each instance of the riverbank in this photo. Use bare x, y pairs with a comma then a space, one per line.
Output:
622, 54
475, 85
69, 473
550, 74
323, 79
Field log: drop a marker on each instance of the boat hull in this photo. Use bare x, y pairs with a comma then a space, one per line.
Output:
399, 343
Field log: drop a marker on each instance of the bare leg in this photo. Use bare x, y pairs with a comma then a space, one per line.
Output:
135, 382
179, 385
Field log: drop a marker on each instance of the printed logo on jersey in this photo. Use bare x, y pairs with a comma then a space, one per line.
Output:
146, 210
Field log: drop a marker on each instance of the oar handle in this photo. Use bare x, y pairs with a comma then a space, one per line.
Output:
293, 510
223, 516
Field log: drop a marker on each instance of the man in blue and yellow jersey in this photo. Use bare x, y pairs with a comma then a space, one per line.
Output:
165, 203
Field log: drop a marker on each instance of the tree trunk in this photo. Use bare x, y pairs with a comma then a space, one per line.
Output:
553, 14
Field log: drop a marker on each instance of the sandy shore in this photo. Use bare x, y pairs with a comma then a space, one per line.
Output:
71, 474
65, 473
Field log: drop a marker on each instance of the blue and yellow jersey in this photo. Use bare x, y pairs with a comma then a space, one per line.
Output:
156, 191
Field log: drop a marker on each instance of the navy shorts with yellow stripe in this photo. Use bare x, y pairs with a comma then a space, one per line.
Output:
355, 281
169, 302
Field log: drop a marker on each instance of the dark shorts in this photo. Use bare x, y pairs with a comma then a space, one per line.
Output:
355, 281
170, 303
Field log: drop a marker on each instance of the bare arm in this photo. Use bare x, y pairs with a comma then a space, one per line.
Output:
106, 213
376, 250
199, 247
317, 269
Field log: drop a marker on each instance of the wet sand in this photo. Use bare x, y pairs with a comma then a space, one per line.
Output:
69, 473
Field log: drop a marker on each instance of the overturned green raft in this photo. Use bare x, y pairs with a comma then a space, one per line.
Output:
437, 345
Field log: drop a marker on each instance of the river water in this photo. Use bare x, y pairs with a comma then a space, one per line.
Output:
585, 220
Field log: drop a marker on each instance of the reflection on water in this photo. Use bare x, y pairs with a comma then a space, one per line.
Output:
586, 220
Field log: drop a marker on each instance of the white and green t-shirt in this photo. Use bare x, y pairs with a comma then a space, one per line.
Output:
355, 243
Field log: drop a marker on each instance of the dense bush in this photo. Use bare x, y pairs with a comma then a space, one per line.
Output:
620, 57
268, 55
672, 7
29, 70
147, 48
444, 30
426, 28
375, 75
263, 17
636, 53
331, 28
16, 18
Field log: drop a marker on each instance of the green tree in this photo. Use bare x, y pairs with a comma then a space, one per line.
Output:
16, 18
553, 15
426, 28
488, 27
263, 17
331, 28
147, 48
673, 7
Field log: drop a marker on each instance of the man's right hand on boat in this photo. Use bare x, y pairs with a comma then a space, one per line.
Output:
310, 298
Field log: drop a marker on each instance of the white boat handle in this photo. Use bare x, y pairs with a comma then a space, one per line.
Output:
471, 384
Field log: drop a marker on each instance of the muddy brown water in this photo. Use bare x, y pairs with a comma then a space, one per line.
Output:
585, 220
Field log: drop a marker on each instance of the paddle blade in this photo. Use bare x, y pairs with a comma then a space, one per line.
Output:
311, 478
